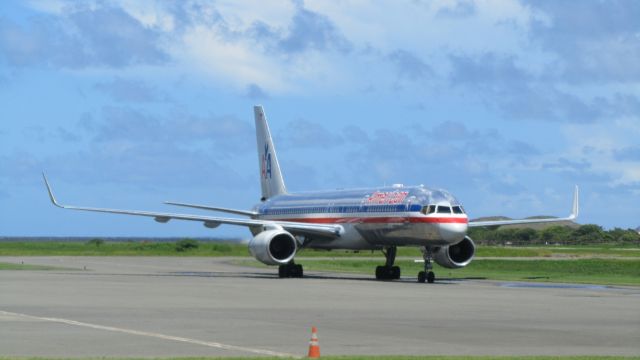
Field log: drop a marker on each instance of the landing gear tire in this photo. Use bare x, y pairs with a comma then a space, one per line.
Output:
431, 277
290, 271
422, 276
395, 272
427, 275
387, 272
379, 272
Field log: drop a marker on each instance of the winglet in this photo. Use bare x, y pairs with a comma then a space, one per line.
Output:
53, 198
575, 209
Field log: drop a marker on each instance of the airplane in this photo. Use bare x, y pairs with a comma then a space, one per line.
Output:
382, 219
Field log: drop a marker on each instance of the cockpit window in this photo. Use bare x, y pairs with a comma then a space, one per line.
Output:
444, 210
458, 210
428, 209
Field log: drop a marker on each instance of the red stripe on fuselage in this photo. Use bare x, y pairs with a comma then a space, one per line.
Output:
380, 220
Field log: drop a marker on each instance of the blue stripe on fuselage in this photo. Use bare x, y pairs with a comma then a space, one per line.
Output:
338, 209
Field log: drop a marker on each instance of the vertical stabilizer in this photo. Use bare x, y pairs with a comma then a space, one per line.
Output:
271, 180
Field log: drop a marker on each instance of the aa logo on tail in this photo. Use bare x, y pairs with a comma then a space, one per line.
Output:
266, 162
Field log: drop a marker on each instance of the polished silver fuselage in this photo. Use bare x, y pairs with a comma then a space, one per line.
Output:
372, 218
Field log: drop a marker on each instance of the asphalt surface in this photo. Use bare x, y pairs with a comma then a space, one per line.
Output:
152, 306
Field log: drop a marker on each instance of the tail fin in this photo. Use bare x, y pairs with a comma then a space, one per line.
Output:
270, 176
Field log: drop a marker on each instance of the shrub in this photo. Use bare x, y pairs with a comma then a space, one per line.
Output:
97, 242
143, 245
186, 244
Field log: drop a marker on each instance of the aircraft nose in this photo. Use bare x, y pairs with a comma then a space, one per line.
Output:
453, 232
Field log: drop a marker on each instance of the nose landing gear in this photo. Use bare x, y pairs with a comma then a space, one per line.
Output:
388, 271
427, 275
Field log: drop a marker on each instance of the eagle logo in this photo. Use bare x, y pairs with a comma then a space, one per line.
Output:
266, 163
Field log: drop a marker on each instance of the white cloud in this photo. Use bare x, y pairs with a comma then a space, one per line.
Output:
215, 39
495, 26
598, 143
150, 14
242, 14
232, 62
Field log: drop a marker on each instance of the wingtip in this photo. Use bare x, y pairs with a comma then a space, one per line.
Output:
575, 209
51, 196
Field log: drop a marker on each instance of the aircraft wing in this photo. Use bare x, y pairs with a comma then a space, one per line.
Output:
572, 216
213, 208
296, 228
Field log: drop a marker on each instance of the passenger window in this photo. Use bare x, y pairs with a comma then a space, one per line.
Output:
444, 210
458, 210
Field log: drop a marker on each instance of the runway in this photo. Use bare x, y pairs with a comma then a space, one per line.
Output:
161, 307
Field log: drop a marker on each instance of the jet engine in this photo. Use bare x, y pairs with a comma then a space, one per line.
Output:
455, 256
273, 247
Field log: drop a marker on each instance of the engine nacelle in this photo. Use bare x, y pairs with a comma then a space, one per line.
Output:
273, 247
455, 256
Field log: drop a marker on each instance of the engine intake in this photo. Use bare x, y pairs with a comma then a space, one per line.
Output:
456, 256
273, 247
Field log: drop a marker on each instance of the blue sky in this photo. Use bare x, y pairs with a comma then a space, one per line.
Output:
507, 104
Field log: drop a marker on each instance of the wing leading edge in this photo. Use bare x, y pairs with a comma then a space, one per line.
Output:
296, 228
214, 208
572, 216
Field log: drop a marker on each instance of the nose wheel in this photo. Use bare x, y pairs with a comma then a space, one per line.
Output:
427, 275
388, 271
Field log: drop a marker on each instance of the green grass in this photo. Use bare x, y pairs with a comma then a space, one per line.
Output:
501, 251
582, 271
548, 251
10, 266
601, 270
118, 249
587, 357
62, 248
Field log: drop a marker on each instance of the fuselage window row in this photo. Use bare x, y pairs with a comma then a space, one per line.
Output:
365, 209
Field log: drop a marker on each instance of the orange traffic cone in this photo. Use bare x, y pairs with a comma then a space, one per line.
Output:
314, 347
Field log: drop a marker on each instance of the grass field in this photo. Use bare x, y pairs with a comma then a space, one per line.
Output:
593, 265
118, 249
226, 249
362, 358
502, 251
7, 266
581, 271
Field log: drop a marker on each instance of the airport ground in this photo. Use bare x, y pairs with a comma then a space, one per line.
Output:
205, 306
602, 264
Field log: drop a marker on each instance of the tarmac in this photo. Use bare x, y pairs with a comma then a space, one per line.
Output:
167, 307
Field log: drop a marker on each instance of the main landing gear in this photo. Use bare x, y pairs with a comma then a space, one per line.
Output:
290, 270
427, 275
388, 271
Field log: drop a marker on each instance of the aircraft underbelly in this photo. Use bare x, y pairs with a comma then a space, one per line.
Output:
376, 236
400, 234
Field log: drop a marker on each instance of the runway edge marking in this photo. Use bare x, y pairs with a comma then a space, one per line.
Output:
153, 335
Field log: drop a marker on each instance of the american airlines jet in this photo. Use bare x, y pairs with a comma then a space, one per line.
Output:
381, 218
